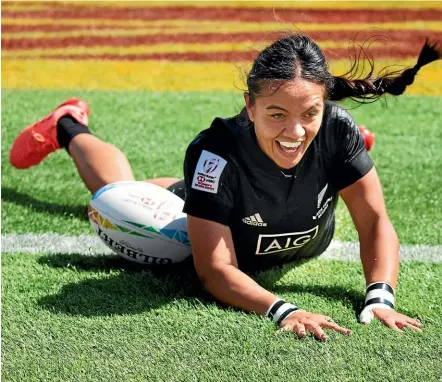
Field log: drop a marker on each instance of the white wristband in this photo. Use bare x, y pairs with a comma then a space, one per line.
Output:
378, 295
279, 310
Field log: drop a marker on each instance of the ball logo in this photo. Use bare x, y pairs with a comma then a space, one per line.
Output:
148, 201
130, 253
210, 165
164, 211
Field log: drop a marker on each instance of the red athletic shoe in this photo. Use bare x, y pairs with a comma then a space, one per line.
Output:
368, 137
38, 140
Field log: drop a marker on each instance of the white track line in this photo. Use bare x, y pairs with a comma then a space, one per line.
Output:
91, 246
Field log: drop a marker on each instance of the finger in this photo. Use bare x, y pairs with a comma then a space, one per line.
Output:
316, 330
336, 327
299, 329
412, 326
401, 325
414, 322
283, 329
392, 325
286, 328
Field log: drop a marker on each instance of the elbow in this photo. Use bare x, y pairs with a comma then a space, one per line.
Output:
210, 274
378, 226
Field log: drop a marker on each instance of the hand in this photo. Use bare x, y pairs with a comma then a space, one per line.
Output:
300, 321
396, 320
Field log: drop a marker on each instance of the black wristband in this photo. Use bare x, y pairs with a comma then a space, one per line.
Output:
285, 314
279, 310
379, 301
380, 285
380, 293
275, 308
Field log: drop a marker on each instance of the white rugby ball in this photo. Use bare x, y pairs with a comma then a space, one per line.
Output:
141, 221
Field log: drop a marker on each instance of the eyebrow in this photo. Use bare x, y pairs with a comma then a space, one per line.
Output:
316, 105
276, 107
281, 108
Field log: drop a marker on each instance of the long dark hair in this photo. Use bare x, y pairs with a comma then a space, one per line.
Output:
299, 56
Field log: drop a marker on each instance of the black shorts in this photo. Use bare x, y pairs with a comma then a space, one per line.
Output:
178, 189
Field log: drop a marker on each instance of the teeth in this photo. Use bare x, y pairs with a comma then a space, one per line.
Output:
290, 144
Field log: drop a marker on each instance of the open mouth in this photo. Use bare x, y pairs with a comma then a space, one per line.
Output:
289, 149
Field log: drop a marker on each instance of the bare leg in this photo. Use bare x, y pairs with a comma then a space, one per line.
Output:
163, 182
100, 163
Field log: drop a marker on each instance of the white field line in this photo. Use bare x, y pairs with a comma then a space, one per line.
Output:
92, 246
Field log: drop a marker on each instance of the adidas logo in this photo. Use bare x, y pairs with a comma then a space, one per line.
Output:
254, 220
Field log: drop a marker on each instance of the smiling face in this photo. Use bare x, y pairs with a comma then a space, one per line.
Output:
287, 120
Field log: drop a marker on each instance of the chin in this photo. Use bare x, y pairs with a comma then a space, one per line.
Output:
287, 166
287, 163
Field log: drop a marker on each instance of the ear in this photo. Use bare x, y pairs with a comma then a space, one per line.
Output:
249, 106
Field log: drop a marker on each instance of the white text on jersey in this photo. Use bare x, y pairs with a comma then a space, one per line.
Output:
284, 241
254, 220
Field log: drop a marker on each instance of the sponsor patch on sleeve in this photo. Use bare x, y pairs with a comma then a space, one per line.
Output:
208, 172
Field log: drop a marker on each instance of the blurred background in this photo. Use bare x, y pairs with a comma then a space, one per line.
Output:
199, 45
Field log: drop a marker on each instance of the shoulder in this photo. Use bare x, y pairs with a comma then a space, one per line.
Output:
221, 139
214, 151
337, 117
338, 127
209, 173
344, 142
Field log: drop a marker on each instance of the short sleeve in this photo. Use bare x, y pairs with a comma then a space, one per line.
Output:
351, 159
209, 182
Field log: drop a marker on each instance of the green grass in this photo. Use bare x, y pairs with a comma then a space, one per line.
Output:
154, 129
78, 318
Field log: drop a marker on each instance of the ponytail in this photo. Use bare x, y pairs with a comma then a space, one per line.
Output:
395, 83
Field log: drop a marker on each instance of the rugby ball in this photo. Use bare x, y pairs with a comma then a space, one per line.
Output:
140, 221
368, 137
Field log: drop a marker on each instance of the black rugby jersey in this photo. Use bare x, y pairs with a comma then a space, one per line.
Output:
275, 215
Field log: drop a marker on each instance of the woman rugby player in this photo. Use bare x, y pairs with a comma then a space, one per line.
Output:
261, 188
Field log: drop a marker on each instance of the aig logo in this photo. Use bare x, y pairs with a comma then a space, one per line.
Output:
284, 241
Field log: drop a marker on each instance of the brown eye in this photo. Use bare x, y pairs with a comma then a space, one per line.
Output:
277, 116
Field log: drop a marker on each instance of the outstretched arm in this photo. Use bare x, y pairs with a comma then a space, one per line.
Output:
217, 267
379, 245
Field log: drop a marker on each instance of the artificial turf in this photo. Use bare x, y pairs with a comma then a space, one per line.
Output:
154, 128
72, 317
78, 318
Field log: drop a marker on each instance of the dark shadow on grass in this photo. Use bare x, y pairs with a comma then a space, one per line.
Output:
13, 196
353, 299
350, 298
117, 287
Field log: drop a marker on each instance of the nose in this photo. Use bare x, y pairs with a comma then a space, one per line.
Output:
295, 130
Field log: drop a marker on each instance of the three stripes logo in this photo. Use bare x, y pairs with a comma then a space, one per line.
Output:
254, 220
